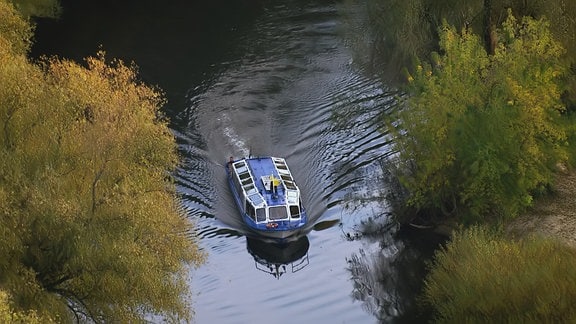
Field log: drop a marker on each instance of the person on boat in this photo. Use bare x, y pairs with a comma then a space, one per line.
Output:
230, 161
275, 182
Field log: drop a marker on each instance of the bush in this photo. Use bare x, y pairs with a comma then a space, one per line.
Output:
481, 134
480, 276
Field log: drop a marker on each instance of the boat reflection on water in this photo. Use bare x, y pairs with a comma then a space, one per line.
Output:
279, 258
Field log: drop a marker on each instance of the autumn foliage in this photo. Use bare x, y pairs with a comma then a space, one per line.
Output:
479, 135
90, 226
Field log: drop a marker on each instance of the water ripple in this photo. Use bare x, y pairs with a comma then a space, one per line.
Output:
292, 94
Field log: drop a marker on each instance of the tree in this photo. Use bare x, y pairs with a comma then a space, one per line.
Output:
90, 226
389, 34
481, 277
401, 31
478, 135
16, 32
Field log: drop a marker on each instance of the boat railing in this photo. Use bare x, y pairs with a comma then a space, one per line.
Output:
285, 174
247, 183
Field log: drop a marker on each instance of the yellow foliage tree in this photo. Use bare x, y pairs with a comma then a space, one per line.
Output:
9, 316
89, 221
16, 32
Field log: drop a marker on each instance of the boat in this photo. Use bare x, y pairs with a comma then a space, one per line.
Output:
267, 196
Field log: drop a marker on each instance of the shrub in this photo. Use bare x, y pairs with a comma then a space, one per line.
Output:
481, 276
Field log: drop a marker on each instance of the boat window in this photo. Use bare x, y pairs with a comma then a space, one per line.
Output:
250, 210
244, 175
237, 185
292, 197
241, 169
260, 214
278, 212
256, 199
294, 211
290, 185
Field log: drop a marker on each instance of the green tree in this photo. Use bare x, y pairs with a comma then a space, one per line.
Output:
90, 226
479, 135
400, 31
482, 277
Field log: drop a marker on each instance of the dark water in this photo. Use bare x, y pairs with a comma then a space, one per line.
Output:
269, 78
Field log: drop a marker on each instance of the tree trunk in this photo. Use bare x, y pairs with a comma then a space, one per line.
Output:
489, 32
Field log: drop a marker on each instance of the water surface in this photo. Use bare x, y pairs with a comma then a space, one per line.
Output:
269, 78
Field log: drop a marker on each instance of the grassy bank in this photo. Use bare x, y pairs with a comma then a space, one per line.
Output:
551, 216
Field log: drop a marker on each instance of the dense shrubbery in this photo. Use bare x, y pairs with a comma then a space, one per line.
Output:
479, 134
481, 277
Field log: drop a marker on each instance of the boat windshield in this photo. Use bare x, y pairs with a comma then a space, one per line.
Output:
294, 211
278, 212
260, 214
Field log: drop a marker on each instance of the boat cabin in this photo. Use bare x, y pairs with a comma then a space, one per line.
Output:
266, 189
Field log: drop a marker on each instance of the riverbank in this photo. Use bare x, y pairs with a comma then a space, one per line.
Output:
551, 216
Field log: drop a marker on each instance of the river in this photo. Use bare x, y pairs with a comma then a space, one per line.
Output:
268, 78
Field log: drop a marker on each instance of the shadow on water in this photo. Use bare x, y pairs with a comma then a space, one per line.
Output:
388, 273
176, 44
278, 259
